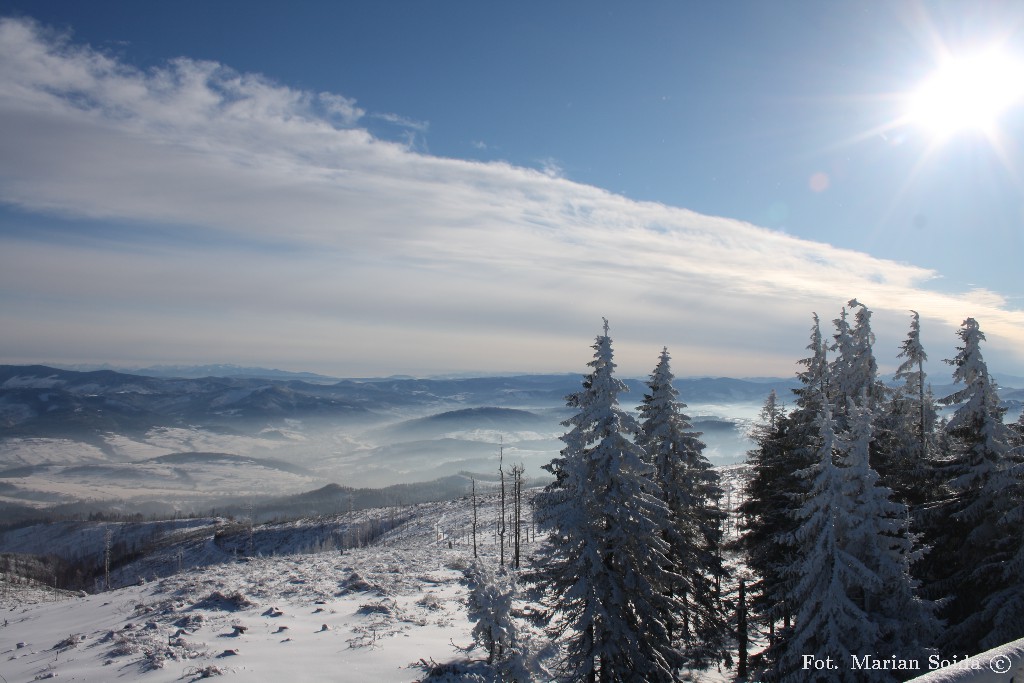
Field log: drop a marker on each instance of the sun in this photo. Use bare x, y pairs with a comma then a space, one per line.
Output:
968, 93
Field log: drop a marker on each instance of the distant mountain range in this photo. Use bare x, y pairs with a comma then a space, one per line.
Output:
37, 400
209, 370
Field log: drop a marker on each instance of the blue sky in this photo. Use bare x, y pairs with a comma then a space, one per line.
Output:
374, 187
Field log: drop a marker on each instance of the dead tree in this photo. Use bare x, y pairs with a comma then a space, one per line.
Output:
501, 512
473, 481
517, 510
106, 559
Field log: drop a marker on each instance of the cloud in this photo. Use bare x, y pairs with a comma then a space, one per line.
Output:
404, 122
202, 214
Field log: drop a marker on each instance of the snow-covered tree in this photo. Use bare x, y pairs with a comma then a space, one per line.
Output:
767, 517
851, 547
489, 604
1003, 609
970, 545
786, 446
854, 375
909, 426
604, 564
831, 619
844, 379
879, 537
870, 391
691, 492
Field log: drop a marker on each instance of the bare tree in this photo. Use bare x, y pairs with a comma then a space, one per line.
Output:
106, 559
501, 512
517, 510
473, 481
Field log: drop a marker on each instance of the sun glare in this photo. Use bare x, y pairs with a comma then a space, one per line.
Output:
968, 93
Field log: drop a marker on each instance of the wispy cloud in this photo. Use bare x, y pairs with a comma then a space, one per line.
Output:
404, 122
248, 221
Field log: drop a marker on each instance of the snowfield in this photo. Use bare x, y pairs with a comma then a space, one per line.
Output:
379, 612
361, 614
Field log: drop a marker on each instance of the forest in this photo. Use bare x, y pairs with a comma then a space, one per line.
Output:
876, 536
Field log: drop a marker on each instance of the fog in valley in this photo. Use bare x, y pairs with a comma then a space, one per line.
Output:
81, 442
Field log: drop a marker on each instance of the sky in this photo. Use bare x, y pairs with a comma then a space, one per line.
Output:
375, 188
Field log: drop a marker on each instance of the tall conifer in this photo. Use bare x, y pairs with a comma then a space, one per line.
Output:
691, 492
605, 562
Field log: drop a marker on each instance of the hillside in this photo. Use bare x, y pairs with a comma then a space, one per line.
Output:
360, 596
365, 596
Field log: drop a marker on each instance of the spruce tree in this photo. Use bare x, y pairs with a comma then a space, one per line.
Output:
785, 448
1003, 609
489, 605
910, 419
970, 544
879, 536
831, 619
691, 492
766, 517
603, 566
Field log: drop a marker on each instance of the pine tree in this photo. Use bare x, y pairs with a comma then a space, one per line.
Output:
489, 605
879, 536
909, 420
854, 377
868, 389
845, 381
811, 397
691, 492
1003, 609
767, 517
831, 620
786, 446
603, 566
970, 545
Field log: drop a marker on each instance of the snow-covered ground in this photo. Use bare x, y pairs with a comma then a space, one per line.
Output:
371, 613
363, 616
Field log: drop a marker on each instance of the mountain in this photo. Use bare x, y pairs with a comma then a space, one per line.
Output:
211, 370
68, 435
40, 401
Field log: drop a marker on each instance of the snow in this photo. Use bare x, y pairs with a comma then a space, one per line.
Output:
1003, 664
294, 622
386, 606
365, 614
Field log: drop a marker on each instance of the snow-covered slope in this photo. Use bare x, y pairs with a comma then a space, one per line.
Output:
372, 595
361, 614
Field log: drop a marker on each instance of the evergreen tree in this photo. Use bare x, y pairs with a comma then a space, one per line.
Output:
844, 381
854, 588
1003, 608
970, 539
854, 377
489, 604
767, 517
802, 428
868, 389
879, 536
786, 446
831, 620
604, 564
691, 492
910, 419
